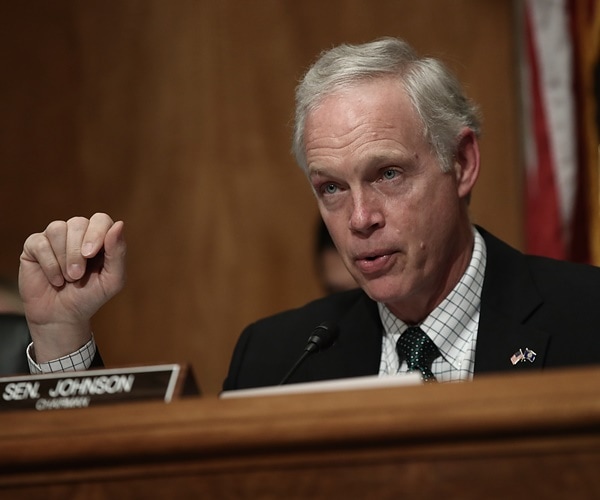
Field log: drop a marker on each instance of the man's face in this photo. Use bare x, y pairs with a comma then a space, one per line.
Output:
399, 222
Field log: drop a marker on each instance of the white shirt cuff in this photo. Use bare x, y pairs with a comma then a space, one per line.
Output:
76, 361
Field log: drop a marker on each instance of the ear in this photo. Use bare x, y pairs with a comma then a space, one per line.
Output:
466, 163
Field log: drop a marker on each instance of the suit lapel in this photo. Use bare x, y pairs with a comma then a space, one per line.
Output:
500, 337
509, 299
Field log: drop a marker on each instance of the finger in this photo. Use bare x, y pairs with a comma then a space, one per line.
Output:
95, 234
115, 250
38, 250
75, 262
56, 236
85, 238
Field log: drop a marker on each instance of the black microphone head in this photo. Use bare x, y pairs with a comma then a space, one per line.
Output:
322, 337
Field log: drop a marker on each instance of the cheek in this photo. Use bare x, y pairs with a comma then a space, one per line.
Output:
425, 228
439, 209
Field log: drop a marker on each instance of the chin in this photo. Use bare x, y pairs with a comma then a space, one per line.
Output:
383, 292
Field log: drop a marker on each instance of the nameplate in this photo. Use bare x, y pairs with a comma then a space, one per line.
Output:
83, 389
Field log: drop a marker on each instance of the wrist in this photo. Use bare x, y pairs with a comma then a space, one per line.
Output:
55, 340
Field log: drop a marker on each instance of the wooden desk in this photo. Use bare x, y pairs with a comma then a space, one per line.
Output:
521, 436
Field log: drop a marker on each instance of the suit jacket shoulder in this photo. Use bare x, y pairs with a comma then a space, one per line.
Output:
267, 349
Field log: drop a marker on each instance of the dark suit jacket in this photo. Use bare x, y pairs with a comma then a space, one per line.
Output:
551, 307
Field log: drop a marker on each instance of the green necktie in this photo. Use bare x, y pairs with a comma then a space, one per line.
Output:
419, 351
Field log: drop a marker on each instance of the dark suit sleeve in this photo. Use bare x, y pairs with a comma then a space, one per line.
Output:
97, 362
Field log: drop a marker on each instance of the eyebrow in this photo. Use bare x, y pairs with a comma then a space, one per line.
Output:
396, 157
317, 172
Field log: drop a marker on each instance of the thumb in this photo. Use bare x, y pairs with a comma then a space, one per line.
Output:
115, 250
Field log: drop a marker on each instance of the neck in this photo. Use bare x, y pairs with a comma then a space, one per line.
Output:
415, 310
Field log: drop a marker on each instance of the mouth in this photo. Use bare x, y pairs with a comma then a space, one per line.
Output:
374, 263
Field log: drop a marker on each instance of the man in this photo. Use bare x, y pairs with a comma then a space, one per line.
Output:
389, 144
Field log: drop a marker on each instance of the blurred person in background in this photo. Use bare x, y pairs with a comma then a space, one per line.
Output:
14, 334
331, 271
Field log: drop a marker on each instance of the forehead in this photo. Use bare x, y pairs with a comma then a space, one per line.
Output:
367, 94
375, 114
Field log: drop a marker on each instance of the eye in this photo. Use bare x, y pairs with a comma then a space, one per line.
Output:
329, 188
389, 174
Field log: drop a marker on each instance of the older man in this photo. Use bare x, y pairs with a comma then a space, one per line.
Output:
389, 144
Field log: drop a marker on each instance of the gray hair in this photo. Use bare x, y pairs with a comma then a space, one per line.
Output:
435, 93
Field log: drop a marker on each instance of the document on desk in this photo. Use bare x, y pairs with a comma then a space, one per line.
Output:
343, 384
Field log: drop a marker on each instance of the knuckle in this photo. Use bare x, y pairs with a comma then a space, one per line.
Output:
34, 244
55, 228
102, 218
77, 221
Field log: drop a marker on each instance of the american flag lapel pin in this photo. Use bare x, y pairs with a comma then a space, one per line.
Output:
517, 357
521, 356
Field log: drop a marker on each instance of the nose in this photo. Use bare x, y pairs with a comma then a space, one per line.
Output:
367, 214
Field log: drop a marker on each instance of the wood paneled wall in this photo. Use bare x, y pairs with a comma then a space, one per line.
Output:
175, 116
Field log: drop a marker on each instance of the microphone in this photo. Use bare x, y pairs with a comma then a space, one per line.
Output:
322, 337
